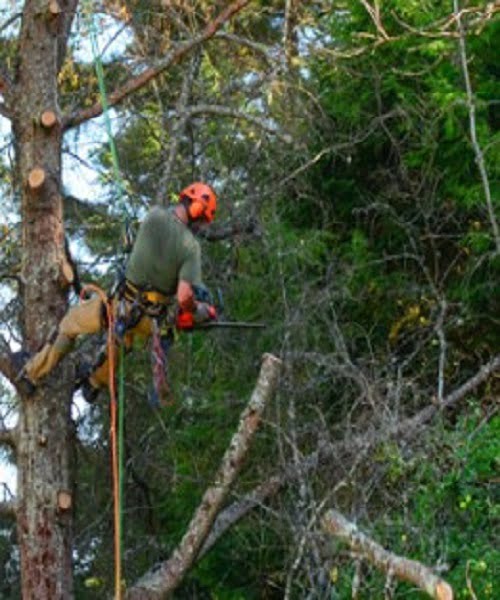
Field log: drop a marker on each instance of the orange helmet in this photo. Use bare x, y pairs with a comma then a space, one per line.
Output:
202, 201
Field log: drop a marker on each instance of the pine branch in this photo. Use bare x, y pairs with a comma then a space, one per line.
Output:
174, 56
163, 580
400, 567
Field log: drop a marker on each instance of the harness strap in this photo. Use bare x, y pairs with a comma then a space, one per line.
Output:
132, 292
161, 394
152, 302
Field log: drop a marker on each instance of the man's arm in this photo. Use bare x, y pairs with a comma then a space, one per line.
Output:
185, 296
192, 311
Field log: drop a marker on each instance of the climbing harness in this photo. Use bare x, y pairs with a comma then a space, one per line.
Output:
161, 394
152, 302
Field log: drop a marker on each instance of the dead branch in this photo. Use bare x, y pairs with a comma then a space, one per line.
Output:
374, 12
8, 436
4, 81
241, 41
8, 509
6, 368
353, 446
225, 111
174, 56
236, 511
179, 126
401, 567
163, 580
289, 33
471, 107
232, 229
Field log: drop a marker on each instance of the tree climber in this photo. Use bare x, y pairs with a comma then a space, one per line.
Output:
164, 266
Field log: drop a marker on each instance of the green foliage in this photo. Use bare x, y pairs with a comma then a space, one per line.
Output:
366, 222
458, 501
450, 513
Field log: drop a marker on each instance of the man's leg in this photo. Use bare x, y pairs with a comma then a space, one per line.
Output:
99, 376
83, 318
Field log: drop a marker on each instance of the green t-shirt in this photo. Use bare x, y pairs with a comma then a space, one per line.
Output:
165, 251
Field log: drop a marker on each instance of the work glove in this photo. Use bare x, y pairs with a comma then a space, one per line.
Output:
184, 320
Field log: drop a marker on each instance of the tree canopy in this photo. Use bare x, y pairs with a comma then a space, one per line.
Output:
354, 147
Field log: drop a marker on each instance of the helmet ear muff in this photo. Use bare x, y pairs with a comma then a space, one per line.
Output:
196, 210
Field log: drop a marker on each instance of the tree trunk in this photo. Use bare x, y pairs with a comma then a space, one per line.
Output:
43, 520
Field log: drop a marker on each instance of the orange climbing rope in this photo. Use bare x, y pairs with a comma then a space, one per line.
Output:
113, 430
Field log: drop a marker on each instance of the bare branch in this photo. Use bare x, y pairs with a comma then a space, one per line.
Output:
8, 436
10, 21
8, 503
179, 126
231, 230
401, 567
471, 106
490, 9
442, 348
5, 85
374, 12
225, 111
8, 509
4, 111
6, 367
174, 56
236, 511
404, 429
166, 578
256, 47
289, 35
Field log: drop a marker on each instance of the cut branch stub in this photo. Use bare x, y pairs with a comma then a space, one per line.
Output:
64, 500
401, 567
54, 8
36, 178
67, 274
48, 119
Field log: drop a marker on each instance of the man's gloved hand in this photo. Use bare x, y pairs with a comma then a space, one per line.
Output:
204, 312
184, 320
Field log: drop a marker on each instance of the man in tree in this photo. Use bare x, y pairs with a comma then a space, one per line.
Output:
164, 266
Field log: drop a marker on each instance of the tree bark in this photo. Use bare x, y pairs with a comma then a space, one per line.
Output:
44, 531
397, 566
163, 580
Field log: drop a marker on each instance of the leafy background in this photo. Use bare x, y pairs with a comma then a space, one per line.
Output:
361, 239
